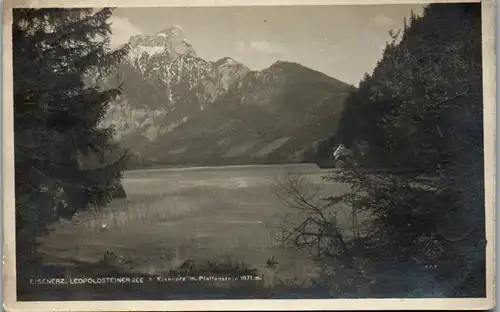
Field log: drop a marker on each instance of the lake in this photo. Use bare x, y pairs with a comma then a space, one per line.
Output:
200, 214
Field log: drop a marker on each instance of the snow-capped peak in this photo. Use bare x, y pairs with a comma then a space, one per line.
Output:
169, 41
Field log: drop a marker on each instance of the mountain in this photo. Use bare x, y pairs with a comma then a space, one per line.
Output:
179, 109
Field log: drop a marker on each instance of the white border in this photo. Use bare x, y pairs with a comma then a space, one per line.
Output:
9, 281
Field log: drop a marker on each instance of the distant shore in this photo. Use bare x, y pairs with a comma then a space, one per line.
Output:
209, 167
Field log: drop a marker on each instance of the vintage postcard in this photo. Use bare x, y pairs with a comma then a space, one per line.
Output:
248, 155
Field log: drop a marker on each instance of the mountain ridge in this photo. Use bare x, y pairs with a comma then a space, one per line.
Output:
177, 108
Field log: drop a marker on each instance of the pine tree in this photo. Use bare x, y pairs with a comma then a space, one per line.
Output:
57, 117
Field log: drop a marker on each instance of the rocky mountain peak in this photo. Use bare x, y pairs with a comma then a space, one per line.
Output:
170, 42
171, 96
231, 67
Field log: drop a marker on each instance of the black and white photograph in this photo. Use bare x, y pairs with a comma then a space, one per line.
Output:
233, 152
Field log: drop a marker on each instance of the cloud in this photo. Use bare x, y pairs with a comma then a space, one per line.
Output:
259, 46
122, 29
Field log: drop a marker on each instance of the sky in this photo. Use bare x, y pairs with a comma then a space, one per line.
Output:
344, 42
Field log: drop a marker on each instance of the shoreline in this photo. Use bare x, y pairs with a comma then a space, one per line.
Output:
208, 167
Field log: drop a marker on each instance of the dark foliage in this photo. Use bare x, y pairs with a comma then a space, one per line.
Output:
421, 114
57, 118
421, 178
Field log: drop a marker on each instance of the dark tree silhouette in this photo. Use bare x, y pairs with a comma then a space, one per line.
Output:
59, 56
421, 177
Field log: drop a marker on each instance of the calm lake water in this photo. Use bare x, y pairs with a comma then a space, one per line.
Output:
210, 213
205, 214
